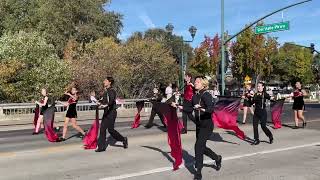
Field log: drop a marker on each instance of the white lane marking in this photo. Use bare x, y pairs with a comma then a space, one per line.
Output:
163, 169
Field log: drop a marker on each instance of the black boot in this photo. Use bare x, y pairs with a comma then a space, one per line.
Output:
148, 126
100, 150
218, 162
125, 143
270, 140
184, 131
256, 142
197, 176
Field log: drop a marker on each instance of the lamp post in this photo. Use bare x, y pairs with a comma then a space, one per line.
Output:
183, 61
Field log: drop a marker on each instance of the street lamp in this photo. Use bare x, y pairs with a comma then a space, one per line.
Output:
169, 28
183, 61
193, 31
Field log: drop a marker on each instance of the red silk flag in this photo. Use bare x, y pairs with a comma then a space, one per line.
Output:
36, 117
137, 118
276, 111
48, 118
225, 114
91, 138
174, 137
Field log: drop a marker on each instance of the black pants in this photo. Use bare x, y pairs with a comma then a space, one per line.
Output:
186, 114
154, 112
260, 115
107, 122
203, 132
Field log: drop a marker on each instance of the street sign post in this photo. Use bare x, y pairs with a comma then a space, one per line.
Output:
272, 27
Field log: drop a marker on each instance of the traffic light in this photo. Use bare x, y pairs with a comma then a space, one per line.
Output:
312, 48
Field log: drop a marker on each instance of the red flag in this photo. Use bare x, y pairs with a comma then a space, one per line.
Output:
225, 114
48, 118
174, 138
276, 111
36, 116
136, 122
91, 139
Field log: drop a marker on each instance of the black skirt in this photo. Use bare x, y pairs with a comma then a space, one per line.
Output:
298, 106
247, 103
72, 111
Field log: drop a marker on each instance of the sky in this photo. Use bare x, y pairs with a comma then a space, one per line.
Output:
140, 15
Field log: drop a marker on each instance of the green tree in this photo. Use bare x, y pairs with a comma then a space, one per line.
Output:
173, 42
136, 65
294, 63
253, 55
149, 63
316, 67
27, 64
90, 66
59, 20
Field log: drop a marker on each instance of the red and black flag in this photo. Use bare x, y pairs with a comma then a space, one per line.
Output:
137, 118
36, 116
174, 137
276, 111
90, 140
225, 114
48, 119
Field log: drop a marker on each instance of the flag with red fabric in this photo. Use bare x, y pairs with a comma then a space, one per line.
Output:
174, 137
36, 116
91, 138
48, 119
276, 111
225, 114
137, 118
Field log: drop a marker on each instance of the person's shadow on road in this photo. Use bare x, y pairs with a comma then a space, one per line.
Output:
217, 138
189, 160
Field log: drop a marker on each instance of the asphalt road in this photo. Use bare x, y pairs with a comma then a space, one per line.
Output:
294, 154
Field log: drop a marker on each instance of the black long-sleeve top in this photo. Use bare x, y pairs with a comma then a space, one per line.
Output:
206, 102
109, 98
259, 99
156, 97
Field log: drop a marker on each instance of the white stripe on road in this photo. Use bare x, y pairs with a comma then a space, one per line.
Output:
163, 169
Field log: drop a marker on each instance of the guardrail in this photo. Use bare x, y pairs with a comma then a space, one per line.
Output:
7, 110
28, 108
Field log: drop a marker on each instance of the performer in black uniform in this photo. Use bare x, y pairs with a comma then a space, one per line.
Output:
108, 103
43, 107
187, 102
157, 97
71, 113
247, 103
260, 113
202, 103
298, 105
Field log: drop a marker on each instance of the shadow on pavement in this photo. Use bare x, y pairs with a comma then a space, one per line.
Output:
217, 138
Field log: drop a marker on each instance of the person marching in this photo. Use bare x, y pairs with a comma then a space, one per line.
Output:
187, 98
43, 107
298, 105
108, 103
260, 113
247, 104
71, 113
202, 104
157, 97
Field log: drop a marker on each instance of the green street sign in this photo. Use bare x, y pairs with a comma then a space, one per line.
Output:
272, 27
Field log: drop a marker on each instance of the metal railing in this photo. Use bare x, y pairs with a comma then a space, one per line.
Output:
28, 108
